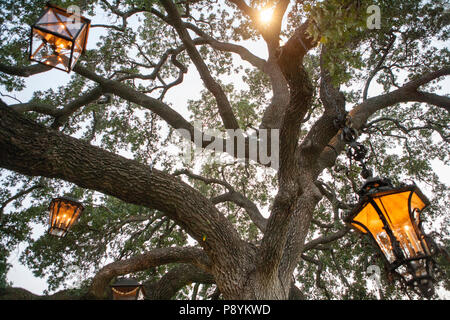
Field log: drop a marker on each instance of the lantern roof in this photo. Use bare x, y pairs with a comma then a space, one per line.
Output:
377, 187
126, 282
68, 199
60, 9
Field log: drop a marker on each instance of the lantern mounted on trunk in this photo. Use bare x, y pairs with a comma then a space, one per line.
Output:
64, 212
391, 217
59, 37
126, 289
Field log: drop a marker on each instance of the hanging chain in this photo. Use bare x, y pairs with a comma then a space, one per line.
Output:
356, 151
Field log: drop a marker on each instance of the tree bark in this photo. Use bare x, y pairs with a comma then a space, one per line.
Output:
31, 149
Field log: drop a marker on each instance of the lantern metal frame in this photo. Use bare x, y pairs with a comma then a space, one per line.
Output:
57, 201
127, 283
377, 188
86, 24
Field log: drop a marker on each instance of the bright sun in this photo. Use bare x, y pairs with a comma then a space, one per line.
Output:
265, 15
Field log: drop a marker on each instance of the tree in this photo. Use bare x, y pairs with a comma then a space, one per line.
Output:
172, 223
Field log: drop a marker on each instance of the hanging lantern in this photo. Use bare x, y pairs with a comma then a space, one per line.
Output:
392, 218
63, 213
58, 38
126, 289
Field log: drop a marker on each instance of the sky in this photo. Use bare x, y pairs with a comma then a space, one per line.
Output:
21, 276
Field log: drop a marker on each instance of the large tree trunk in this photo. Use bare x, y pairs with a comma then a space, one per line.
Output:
32, 149
241, 270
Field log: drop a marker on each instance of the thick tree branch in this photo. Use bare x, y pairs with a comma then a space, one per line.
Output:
24, 71
11, 293
174, 280
61, 115
153, 258
433, 99
233, 196
325, 239
173, 118
284, 70
362, 112
324, 128
277, 253
32, 149
224, 106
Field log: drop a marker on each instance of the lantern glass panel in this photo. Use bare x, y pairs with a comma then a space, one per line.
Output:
43, 50
59, 38
78, 48
396, 209
368, 217
62, 216
401, 210
125, 293
56, 22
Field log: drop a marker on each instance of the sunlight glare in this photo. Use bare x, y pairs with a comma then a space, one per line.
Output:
265, 15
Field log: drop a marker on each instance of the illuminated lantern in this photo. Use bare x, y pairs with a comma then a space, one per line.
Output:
63, 213
392, 218
126, 289
58, 38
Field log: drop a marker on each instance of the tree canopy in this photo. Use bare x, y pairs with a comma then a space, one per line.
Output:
221, 225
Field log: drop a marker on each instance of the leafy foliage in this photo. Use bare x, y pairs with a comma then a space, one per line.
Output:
405, 140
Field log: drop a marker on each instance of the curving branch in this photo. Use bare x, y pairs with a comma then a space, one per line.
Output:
153, 258
16, 196
123, 15
320, 268
32, 149
24, 71
326, 239
362, 112
233, 196
224, 106
245, 203
429, 125
378, 67
61, 115
175, 279
244, 53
